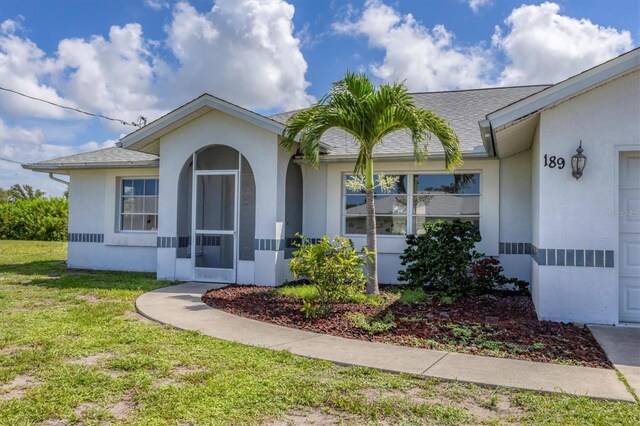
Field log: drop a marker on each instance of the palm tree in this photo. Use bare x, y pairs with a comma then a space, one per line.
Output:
369, 113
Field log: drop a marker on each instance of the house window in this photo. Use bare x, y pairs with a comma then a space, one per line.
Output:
445, 196
391, 209
139, 204
414, 200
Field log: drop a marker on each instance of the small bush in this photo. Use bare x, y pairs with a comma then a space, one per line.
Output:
444, 259
440, 258
372, 326
412, 295
334, 268
43, 219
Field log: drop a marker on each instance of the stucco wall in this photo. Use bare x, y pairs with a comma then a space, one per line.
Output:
576, 214
515, 212
93, 204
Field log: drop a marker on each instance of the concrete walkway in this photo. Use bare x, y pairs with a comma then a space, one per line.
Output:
181, 307
622, 346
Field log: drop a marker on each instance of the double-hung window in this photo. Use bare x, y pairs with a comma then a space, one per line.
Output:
412, 201
139, 204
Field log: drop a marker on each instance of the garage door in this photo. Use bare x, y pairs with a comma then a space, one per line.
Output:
629, 254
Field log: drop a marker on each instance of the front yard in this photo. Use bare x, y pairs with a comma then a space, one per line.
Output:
73, 351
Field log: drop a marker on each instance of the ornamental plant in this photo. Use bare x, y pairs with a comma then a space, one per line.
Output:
444, 259
334, 267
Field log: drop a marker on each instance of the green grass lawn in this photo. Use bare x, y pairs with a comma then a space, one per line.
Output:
73, 351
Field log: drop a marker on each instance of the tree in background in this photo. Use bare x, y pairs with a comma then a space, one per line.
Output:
23, 192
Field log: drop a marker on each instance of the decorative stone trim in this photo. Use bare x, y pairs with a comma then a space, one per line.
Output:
77, 237
561, 257
166, 242
267, 244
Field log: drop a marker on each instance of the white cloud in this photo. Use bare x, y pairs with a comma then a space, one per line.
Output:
543, 46
475, 5
539, 46
242, 51
24, 67
156, 4
114, 76
427, 59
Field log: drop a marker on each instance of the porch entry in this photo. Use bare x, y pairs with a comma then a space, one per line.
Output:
215, 225
216, 214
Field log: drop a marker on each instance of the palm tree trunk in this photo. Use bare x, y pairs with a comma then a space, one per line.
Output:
372, 261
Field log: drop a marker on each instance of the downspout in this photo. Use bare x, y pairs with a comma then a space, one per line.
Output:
52, 177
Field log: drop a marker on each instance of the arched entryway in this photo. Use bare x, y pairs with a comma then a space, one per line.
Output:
216, 213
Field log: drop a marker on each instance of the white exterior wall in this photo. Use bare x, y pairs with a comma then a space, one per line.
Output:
576, 214
515, 212
323, 188
93, 209
268, 164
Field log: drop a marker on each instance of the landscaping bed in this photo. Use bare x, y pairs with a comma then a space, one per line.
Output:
502, 324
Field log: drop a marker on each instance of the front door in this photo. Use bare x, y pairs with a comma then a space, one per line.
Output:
629, 254
215, 227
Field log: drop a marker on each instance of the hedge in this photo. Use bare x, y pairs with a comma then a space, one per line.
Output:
43, 219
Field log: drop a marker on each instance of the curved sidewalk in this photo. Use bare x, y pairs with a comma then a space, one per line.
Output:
181, 306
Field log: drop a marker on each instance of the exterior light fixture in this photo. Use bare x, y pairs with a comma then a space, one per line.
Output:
578, 161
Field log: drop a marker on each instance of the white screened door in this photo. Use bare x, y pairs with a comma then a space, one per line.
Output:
215, 226
629, 251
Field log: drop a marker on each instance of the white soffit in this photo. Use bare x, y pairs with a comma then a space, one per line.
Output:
510, 140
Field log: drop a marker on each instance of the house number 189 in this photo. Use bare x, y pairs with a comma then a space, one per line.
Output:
552, 162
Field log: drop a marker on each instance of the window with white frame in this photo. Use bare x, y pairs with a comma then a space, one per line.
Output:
139, 204
414, 200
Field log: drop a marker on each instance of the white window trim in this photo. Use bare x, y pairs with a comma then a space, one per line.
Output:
119, 213
409, 215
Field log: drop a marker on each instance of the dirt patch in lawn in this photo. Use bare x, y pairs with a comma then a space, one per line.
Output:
502, 325
314, 417
89, 360
17, 387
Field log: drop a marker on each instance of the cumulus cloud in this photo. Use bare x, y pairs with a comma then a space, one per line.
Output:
25, 67
243, 51
113, 75
538, 44
543, 46
428, 59
475, 5
156, 4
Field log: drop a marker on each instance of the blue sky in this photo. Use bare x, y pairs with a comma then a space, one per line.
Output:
126, 58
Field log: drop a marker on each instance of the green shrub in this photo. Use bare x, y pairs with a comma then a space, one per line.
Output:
334, 268
43, 219
374, 325
412, 295
444, 258
440, 258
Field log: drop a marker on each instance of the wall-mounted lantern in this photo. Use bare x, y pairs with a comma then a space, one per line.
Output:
578, 161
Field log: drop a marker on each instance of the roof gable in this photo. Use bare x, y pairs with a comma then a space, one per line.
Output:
145, 139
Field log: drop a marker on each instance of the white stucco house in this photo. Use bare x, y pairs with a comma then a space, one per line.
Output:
206, 193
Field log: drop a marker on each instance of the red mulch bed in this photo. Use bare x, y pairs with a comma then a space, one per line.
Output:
496, 325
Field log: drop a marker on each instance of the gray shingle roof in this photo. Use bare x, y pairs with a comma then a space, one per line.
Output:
463, 109
107, 157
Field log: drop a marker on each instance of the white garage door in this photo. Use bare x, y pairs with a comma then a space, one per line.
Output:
629, 254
